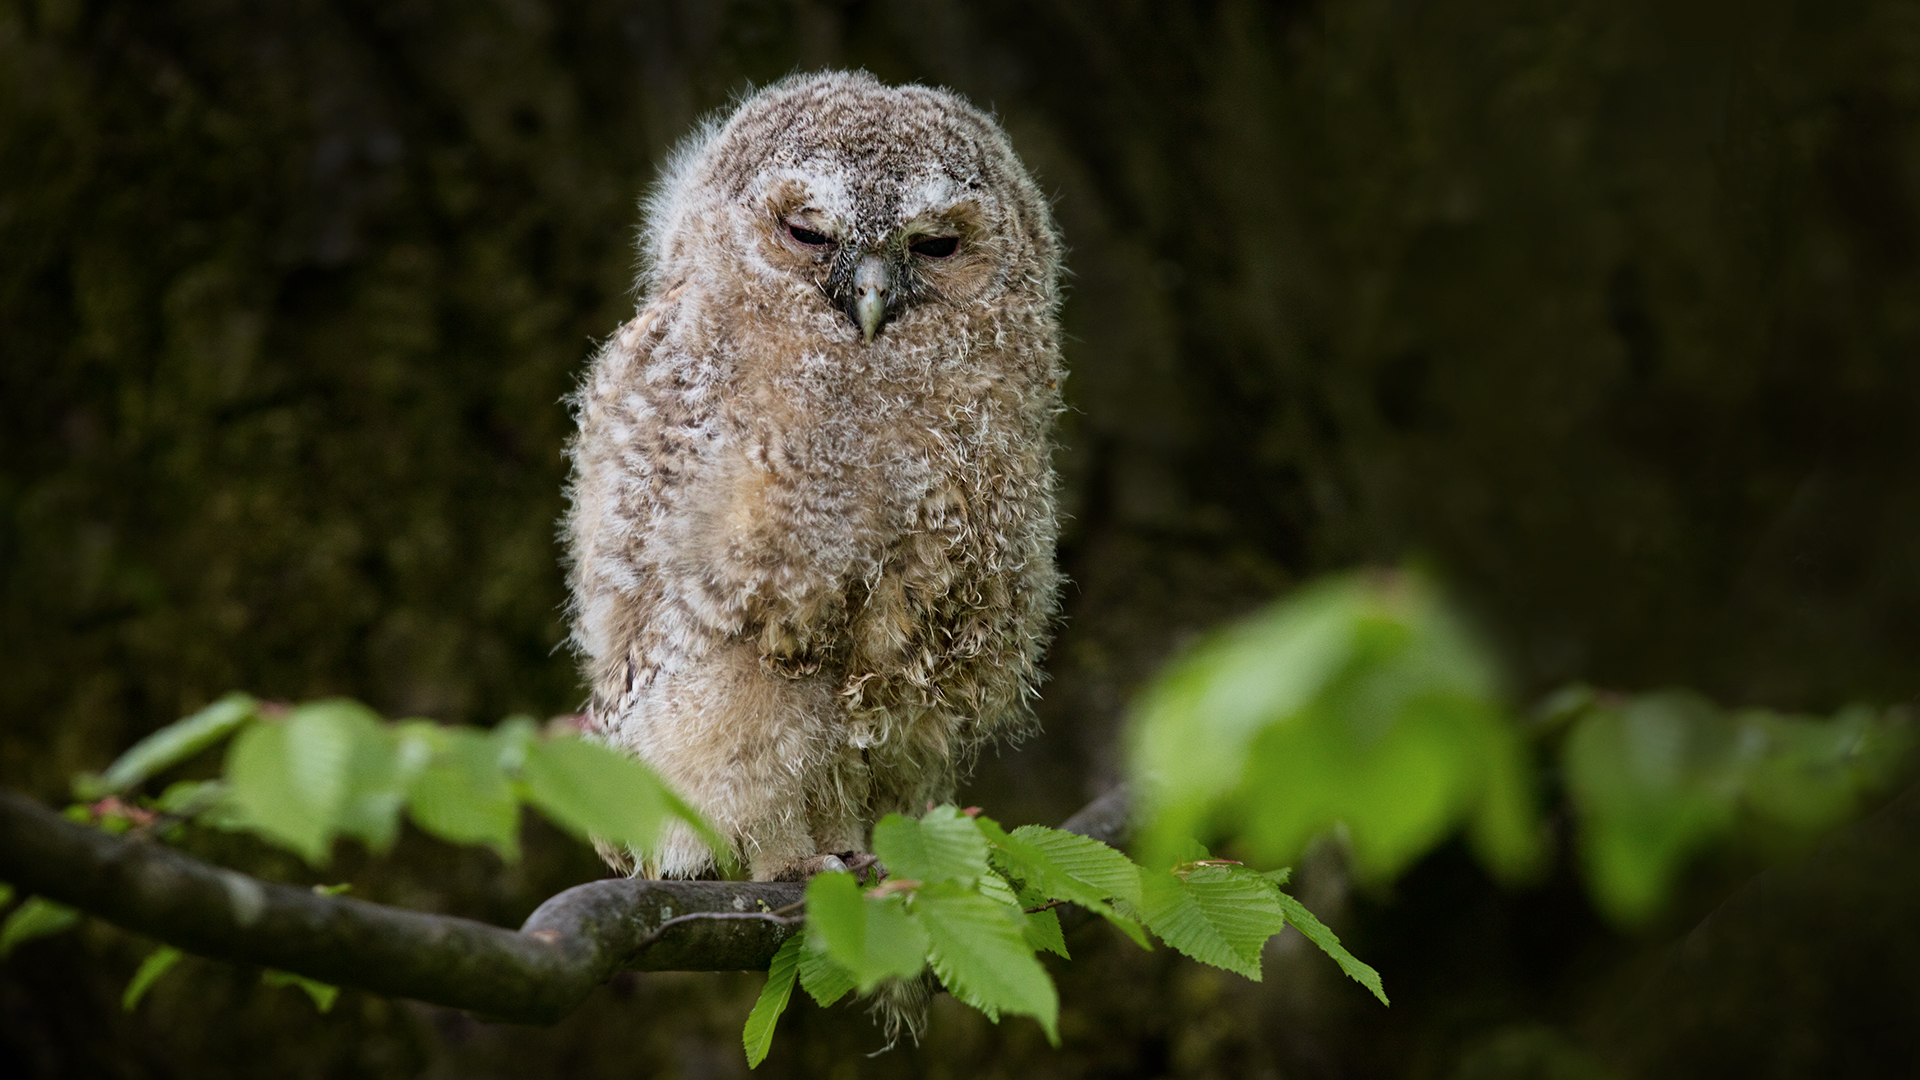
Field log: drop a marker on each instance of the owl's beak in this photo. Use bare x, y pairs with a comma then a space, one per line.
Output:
872, 282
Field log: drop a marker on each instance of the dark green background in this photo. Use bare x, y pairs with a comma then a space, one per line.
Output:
1609, 311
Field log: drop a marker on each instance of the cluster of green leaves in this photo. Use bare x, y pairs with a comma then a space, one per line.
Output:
1656, 778
305, 775
1359, 705
975, 904
302, 776
1358, 701
965, 898
1362, 705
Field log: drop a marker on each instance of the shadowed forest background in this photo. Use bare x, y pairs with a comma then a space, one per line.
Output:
1608, 312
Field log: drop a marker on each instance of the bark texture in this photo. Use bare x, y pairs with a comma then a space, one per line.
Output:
571, 944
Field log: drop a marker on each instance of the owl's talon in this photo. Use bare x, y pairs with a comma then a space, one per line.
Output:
864, 867
827, 862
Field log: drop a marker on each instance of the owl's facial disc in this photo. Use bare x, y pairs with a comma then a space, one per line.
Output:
870, 260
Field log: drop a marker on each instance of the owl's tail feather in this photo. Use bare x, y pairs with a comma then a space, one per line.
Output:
899, 1007
619, 857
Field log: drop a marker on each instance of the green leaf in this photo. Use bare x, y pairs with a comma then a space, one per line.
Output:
191, 798
1043, 932
112, 820
462, 795
599, 792
37, 917
837, 918
1317, 932
299, 781
595, 790
1073, 867
155, 965
1398, 793
1219, 915
758, 1034
170, 746
322, 994
978, 948
942, 845
1191, 732
825, 981
1361, 702
1804, 775
515, 738
871, 937
379, 773
995, 887
1065, 866
6, 894
1657, 777
1652, 781
1800, 774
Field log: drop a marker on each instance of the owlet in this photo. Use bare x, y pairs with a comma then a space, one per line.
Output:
812, 521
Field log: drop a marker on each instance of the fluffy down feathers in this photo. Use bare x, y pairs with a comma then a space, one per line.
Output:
811, 572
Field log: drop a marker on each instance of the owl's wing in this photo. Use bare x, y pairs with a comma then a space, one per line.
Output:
620, 461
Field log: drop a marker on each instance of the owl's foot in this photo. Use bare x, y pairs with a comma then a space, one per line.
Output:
827, 862
859, 863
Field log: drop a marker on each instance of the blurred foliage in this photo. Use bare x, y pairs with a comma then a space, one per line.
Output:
1656, 777
322, 995
1360, 703
36, 917
1608, 309
157, 963
303, 775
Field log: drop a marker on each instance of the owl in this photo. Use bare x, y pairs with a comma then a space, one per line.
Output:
812, 520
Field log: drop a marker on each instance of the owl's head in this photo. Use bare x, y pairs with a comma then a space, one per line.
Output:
862, 202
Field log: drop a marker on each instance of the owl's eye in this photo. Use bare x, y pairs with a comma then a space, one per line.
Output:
935, 247
808, 236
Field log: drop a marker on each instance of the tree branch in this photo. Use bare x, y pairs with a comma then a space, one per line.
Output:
574, 942
1108, 819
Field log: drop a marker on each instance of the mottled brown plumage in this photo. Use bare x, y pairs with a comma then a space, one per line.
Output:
813, 516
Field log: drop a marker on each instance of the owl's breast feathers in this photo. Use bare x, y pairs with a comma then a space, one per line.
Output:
880, 517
